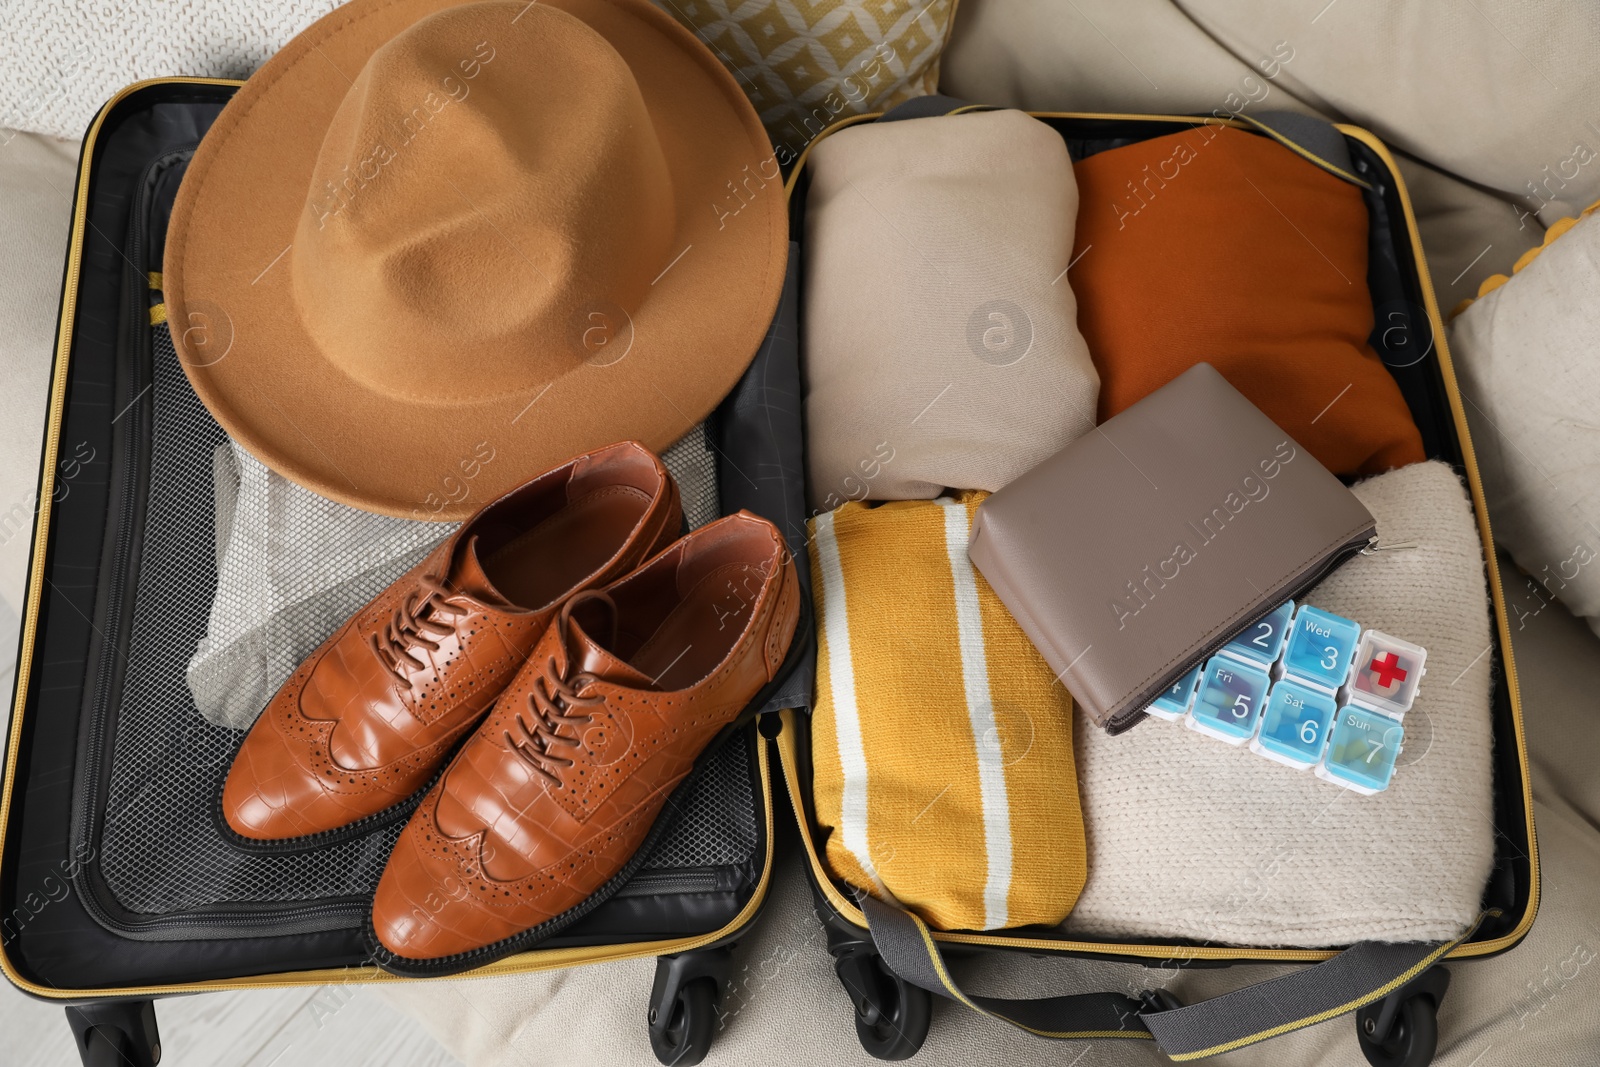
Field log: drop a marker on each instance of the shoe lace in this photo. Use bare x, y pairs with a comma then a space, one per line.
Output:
552, 698
416, 624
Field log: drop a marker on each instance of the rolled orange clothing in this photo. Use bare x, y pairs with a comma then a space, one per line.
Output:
1218, 245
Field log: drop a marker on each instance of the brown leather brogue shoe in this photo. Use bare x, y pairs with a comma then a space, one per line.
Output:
367, 720
550, 805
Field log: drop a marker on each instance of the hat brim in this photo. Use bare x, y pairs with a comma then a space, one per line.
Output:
249, 357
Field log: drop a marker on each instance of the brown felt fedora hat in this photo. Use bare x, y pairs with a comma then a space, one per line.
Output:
432, 248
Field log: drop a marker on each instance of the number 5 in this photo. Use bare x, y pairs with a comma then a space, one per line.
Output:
998, 336
1241, 706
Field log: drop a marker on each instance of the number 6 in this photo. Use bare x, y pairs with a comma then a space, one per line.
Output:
1309, 727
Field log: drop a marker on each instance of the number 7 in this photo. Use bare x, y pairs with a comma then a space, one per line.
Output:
1377, 747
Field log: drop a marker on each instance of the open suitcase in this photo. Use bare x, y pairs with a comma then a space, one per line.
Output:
116, 885
888, 963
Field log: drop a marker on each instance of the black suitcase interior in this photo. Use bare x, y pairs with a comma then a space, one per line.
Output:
115, 877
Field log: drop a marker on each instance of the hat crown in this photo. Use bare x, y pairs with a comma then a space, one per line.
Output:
490, 189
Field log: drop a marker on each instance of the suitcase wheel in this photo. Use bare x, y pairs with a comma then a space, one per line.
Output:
892, 1015
683, 1004
116, 1033
1402, 1030
684, 1035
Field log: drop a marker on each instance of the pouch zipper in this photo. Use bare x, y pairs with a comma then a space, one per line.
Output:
1292, 589
672, 882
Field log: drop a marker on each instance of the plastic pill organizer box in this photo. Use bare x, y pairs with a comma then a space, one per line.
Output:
1308, 689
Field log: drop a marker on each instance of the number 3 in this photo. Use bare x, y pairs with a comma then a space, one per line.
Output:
1260, 641
1331, 659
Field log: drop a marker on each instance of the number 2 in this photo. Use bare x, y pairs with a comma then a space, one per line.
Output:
1331, 658
1260, 641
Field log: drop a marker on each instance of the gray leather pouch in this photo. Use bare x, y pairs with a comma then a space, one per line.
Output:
1142, 547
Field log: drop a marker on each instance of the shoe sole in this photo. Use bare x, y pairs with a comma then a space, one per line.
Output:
445, 966
338, 835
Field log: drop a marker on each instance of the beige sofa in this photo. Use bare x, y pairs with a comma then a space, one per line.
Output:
1485, 101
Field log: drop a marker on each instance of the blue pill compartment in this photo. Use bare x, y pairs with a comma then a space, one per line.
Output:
1294, 728
1361, 750
1262, 641
1230, 699
1320, 647
1174, 701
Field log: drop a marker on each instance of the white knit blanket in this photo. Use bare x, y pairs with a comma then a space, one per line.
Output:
1191, 838
61, 59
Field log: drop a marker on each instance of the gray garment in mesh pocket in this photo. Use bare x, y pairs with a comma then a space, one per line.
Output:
293, 565
159, 847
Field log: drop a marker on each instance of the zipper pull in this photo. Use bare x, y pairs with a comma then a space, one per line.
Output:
1373, 547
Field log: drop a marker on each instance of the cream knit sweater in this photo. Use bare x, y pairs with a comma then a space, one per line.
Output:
1191, 838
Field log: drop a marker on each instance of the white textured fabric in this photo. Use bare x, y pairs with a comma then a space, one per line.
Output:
1525, 357
941, 340
1189, 837
61, 59
292, 566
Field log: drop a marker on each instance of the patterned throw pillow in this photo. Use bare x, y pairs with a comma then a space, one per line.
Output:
806, 64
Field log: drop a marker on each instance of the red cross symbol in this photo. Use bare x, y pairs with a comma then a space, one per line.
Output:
1387, 668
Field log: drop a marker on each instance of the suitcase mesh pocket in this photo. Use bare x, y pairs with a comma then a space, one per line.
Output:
161, 852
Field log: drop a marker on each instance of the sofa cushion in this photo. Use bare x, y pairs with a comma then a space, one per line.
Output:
1523, 353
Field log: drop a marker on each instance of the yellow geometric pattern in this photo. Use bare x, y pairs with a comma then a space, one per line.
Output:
806, 64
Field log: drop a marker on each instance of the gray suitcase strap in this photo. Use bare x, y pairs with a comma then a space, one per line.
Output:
1363, 973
